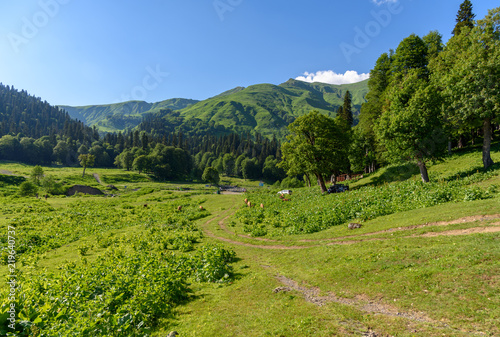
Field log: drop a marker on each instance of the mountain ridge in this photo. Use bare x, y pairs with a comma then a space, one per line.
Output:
264, 108
124, 115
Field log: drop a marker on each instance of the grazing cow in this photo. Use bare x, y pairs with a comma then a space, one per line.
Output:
201, 208
261, 205
179, 208
249, 204
246, 201
285, 199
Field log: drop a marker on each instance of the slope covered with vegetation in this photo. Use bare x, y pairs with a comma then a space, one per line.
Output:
268, 109
22, 113
121, 116
263, 108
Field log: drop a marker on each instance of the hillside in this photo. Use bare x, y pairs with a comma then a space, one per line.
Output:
29, 116
120, 116
263, 108
268, 108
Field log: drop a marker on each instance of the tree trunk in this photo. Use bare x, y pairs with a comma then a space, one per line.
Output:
449, 147
423, 171
461, 141
83, 175
308, 180
487, 161
321, 182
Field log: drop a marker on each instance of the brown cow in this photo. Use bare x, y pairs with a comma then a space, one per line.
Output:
179, 208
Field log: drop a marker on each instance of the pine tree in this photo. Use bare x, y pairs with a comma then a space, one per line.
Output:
465, 17
347, 109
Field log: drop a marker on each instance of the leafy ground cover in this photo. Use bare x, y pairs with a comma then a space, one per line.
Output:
309, 212
424, 263
95, 266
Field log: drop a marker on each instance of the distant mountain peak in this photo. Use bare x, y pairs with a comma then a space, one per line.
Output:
229, 92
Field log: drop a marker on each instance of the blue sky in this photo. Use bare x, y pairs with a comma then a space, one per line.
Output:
76, 52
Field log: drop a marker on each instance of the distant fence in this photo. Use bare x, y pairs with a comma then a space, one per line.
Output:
345, 177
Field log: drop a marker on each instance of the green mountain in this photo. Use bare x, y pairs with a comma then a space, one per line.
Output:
268, 108
120, 116
263, 108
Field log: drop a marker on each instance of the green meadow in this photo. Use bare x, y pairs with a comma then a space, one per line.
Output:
148, 257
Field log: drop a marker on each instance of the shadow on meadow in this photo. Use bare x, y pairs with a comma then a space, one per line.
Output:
11, 180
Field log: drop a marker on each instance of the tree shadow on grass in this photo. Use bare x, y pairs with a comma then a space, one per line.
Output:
396, 173
472, 171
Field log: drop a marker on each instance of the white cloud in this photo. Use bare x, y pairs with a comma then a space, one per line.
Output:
381, 2
331, 77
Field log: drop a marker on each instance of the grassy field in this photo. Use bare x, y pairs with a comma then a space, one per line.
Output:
429, 268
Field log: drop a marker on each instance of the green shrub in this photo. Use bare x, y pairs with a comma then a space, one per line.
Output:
28, 189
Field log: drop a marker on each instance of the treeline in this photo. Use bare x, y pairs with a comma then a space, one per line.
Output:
172, 156
426, 98
176, 156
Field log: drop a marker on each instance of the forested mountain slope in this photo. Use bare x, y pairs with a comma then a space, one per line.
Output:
267, 108
262, 108
120, 116
21, 113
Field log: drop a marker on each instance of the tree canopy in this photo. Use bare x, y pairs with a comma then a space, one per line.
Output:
316, 145
468, 74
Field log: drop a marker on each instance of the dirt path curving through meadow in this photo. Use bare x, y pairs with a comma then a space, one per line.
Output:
239, 243
221, 218
360, 302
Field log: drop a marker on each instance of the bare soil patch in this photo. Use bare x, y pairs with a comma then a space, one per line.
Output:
467, 231
97, 178
477, 218
362, 303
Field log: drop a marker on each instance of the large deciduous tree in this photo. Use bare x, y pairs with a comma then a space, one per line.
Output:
411, 129
316, 145
371, 111
468, 73
37, 174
